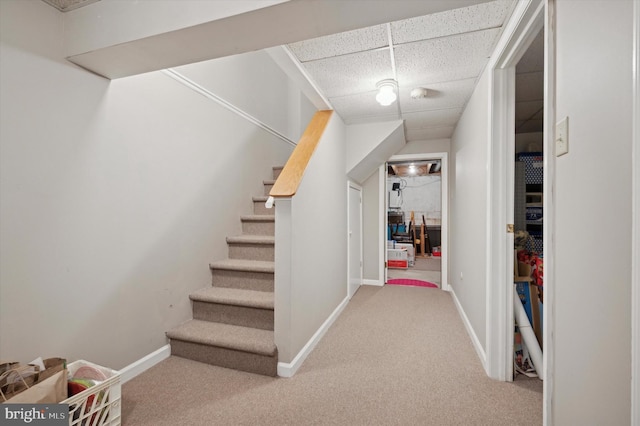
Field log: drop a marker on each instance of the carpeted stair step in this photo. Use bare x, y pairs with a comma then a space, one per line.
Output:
258, 224
276, 171
243, 274
246, 308
260, 209
252, 247
268, 184
224, 345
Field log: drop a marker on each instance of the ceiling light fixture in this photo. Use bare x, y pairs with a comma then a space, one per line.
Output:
386, 92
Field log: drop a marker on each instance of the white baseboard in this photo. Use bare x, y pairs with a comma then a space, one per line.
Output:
373, 282
144, 363
474, 339
289, 369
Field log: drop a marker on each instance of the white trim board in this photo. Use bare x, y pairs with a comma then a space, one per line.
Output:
548, 333
635, 213
143, 364
187, 82
444, 200
382, 223
524, 24
472, 334
288, 369
357, 187
378, 283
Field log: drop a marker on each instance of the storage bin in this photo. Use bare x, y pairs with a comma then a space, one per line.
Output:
98, 405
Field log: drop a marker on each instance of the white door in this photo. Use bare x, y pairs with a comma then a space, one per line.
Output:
355, 238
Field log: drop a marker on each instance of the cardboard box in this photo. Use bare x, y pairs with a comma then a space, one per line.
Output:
397, 258
410, 252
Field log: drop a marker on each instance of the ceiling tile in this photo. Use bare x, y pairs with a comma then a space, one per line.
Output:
530, 87
526, 110
444, 59
362, 106
430, 133
428, 119
457, 21
439, 96
530, 126
341, 44
533, 58
349, 74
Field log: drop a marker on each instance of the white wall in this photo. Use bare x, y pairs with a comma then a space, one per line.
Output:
468, 217
110, 22
593, 214
421, 147
311, 278
115, 198
371, 223
254, 83
419, 194
369, 145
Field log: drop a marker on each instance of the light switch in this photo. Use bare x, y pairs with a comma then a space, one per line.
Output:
562, 137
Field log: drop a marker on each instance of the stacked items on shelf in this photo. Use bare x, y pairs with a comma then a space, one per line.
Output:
528, 285
534, 179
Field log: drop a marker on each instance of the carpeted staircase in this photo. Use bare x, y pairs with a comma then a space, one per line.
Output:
232, 323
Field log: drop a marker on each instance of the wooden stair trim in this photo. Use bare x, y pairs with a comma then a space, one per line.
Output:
289, 180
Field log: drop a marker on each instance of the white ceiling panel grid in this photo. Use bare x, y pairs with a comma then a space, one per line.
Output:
445, 59
444, 52
341, 44
533, 58
349, 74
451, 22
439, 96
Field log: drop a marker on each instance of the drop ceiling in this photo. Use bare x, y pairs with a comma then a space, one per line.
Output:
443, 52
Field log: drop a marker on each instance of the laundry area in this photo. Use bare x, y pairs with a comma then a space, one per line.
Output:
414, 215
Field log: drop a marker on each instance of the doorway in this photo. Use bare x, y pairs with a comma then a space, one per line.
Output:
354, 207
528, 208
416, 217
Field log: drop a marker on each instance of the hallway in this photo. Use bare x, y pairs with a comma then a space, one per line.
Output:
396, 355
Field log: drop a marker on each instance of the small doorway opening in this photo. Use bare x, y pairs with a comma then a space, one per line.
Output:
414, 222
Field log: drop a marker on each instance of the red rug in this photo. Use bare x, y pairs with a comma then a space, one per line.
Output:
415, 283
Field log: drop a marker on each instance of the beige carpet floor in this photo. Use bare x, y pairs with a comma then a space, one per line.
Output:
425, 269
396, 356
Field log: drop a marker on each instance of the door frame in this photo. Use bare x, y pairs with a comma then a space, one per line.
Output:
529, 18
444, 200
635, 209
353, 185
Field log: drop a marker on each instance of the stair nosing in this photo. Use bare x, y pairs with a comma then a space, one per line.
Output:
234, 297
266, 240
244, 265
234, 338
258, 218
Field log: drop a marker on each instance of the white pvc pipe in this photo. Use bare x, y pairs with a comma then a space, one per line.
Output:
528, 335
269, 203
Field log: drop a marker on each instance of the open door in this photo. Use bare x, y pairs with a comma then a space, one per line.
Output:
355, 238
